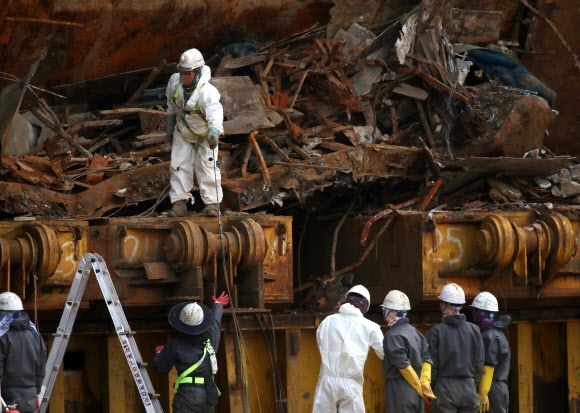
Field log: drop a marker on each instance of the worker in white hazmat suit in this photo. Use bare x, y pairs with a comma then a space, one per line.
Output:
344, 340
194, 125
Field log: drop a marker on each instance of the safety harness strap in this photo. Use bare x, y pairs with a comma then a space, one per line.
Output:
196, 111
185, 378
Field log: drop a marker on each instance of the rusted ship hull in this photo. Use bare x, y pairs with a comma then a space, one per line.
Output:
87, 40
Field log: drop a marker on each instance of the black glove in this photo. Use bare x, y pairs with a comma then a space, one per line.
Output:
171, 121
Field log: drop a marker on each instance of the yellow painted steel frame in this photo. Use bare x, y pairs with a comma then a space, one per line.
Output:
246, 386
544, 373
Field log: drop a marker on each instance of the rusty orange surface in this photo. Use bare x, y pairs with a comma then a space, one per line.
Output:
86, 40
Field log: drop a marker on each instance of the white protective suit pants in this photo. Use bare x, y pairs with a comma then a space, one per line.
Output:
338, 395
185, 161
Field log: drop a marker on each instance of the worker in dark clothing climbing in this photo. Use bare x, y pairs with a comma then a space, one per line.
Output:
407, 363
457, 351
493, 388
22, 356
192, 352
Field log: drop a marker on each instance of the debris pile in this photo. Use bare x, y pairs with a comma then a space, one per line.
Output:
399, 104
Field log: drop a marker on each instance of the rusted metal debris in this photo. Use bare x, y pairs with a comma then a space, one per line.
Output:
302, 114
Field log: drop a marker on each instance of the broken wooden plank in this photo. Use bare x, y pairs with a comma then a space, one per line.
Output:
129, 111
154, 73
151, 141
243, 110
406, 89
77, 127
58, 130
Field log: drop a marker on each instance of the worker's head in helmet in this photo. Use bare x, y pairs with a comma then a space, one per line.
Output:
189, 67
395, 307
452, 299
10, 302
191, 318
484, 309
359, 297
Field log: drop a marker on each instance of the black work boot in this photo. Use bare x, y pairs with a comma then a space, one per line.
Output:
179, 209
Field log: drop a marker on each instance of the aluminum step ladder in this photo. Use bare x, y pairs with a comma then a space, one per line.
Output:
95, 263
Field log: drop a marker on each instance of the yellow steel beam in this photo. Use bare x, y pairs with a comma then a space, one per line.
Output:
57, 397
573, 346
525, 368
123, 397
237, 386
302, 367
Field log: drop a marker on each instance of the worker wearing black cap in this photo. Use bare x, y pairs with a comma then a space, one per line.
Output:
192, 352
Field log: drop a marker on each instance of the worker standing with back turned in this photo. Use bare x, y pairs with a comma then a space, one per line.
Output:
22, 356
344, 340
457, 352
192, 352
194, 124
407, 363
493, 388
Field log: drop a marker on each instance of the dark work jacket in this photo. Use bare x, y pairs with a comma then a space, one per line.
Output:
456, 348
404, 345
184, 351
22, 363
497, 349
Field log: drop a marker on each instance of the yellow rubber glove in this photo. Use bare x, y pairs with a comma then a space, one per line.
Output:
426, 381
410, 375
483, 388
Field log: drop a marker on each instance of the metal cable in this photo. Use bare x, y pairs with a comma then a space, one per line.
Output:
239, 337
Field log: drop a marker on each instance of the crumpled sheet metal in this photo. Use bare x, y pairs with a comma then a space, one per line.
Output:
17, 198
295, 180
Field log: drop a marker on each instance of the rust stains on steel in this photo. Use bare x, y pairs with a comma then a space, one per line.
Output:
46, 21
134, 35
347, 166
382, 214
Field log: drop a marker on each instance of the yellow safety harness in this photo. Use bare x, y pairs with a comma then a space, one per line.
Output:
185, 378
196, 111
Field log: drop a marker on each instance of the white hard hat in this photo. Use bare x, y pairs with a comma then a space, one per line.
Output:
191, 314
362, 291
396, 300
10, 302
190, 317
190, 59
485, 301
452, 294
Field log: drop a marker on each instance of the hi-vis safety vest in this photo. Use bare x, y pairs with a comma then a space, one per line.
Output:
193, 125
185, 378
